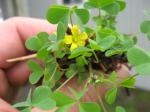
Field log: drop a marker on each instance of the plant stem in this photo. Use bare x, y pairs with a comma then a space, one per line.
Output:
100, 99
21, 58
97, 60
65, 82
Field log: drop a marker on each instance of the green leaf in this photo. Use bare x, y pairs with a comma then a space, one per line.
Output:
143, 69
29, 97
43, 37
129, 82
62, 99
111, 95
112, 9
28, 109
94, 45
42, 98
21, 104
107, 42
33, 44
71, 70
137, 56
81, 61
83, 15
122, 4
56, 13
78, 95
42, 54
37, 72
104, 3
52, 38
64, 108
120, 109
113, 76
37, 42
89, 107
145, 26
113, 51
60, 31
79, 51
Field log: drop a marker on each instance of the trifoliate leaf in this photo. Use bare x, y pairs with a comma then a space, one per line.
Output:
111, 95
42, 98
112, 9
57, 13
89, 107
37, 42
62, 99
83, 15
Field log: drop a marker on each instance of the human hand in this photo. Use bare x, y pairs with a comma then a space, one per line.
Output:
13, 33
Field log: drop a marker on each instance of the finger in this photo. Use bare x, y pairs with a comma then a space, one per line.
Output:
5, 107
4, 86
18, 74
123, 71
14, 32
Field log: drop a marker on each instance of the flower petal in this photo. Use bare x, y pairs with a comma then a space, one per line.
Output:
68, 39
73, 46
75, 30
81, 43
83, 36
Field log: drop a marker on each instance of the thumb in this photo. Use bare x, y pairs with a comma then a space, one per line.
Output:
5, 107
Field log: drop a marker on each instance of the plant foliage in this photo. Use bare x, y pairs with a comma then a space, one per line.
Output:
92, 55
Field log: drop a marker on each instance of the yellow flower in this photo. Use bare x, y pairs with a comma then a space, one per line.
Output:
77, 39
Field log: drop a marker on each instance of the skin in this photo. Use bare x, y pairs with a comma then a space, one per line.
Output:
13, 33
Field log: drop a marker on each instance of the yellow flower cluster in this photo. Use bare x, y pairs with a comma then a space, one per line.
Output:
77, 39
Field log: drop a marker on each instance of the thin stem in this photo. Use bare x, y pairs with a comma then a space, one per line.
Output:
71, 20
65, 82
21, 58
97, 60
100, 99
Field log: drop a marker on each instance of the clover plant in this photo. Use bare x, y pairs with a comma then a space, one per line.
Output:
91, 54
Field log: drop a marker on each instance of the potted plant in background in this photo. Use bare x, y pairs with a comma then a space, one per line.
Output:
91, 55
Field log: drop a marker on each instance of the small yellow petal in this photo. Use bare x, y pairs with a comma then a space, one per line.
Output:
68, 39
73, 46
81, 43
83, 36
75, 30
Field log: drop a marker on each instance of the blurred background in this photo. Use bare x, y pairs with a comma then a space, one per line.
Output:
128, 22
